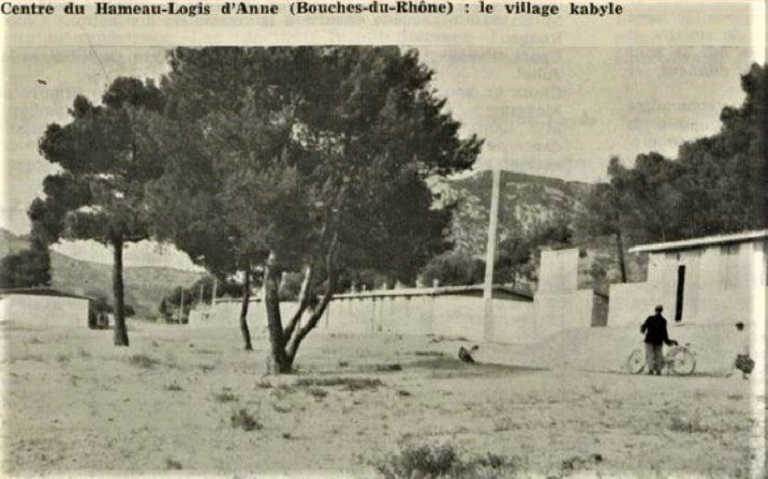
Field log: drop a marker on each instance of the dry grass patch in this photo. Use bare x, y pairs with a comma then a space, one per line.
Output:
351, 383
143, 361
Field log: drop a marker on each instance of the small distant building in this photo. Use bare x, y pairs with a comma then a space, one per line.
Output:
704, 281
43, 307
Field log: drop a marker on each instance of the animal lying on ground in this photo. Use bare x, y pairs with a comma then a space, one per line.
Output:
466, 355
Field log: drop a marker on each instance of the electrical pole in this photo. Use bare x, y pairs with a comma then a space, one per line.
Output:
490, 256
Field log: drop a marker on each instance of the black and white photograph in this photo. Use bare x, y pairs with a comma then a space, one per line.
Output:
383, 240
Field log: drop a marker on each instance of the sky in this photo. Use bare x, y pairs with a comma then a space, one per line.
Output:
555, 99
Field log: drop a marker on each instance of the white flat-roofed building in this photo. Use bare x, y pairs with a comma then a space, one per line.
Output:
706, 281
43, 307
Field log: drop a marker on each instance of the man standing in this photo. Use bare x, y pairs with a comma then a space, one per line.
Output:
655, 329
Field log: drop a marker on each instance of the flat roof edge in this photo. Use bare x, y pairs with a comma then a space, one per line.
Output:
703, 241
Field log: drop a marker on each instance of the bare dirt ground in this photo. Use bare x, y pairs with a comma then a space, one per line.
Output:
190, 402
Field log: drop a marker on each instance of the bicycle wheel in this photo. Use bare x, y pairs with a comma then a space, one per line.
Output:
682, 362
635, 362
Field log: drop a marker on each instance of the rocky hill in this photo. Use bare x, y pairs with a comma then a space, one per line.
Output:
144, 286
526, 201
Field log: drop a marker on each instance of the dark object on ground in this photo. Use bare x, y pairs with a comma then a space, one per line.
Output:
744, 363
465, 355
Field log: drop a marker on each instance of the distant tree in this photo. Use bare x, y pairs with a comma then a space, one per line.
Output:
28, 268
108, 153
716, 185
165, 310
454, 268
513, 260
319, 156
605, 214
723, 178
171, 304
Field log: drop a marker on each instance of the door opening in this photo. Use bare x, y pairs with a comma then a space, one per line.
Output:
680, 293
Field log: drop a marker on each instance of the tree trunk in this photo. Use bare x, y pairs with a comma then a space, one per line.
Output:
121, 332
280, 363
622, 260
244, 311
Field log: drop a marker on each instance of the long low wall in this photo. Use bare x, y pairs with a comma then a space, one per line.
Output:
447, 315
456, 316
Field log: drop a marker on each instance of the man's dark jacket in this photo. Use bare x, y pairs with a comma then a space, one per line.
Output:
655, 329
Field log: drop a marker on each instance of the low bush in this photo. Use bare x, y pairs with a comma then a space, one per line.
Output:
225, 396
242, 419
443, 462
689, 425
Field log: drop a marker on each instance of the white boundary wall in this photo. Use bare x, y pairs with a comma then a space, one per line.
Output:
448, 315
558, 305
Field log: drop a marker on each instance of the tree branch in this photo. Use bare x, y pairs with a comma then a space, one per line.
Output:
303, 302
296, 340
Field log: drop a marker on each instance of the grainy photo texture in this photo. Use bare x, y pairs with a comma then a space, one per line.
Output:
509, 254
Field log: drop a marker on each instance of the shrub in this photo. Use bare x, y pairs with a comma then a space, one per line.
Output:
420, 461
143, 361
242, 419
443, 461
225, 396
317, 392
689, 425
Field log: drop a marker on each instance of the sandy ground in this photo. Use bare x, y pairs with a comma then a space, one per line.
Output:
74, 405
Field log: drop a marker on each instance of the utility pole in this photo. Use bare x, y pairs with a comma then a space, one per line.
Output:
181, 307
490, 256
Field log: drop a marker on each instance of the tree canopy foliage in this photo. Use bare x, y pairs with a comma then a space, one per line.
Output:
107, 154
28, 268
715, 185
309, 159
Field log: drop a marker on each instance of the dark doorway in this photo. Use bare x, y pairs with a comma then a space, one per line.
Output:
680, 293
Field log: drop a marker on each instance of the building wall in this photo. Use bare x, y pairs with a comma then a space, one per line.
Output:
44, 310
556, 311
559, 304
719, 286
514, 322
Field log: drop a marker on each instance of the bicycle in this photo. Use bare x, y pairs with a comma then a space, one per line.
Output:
680, 360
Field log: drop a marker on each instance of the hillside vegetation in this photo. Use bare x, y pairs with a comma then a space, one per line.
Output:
144, 286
